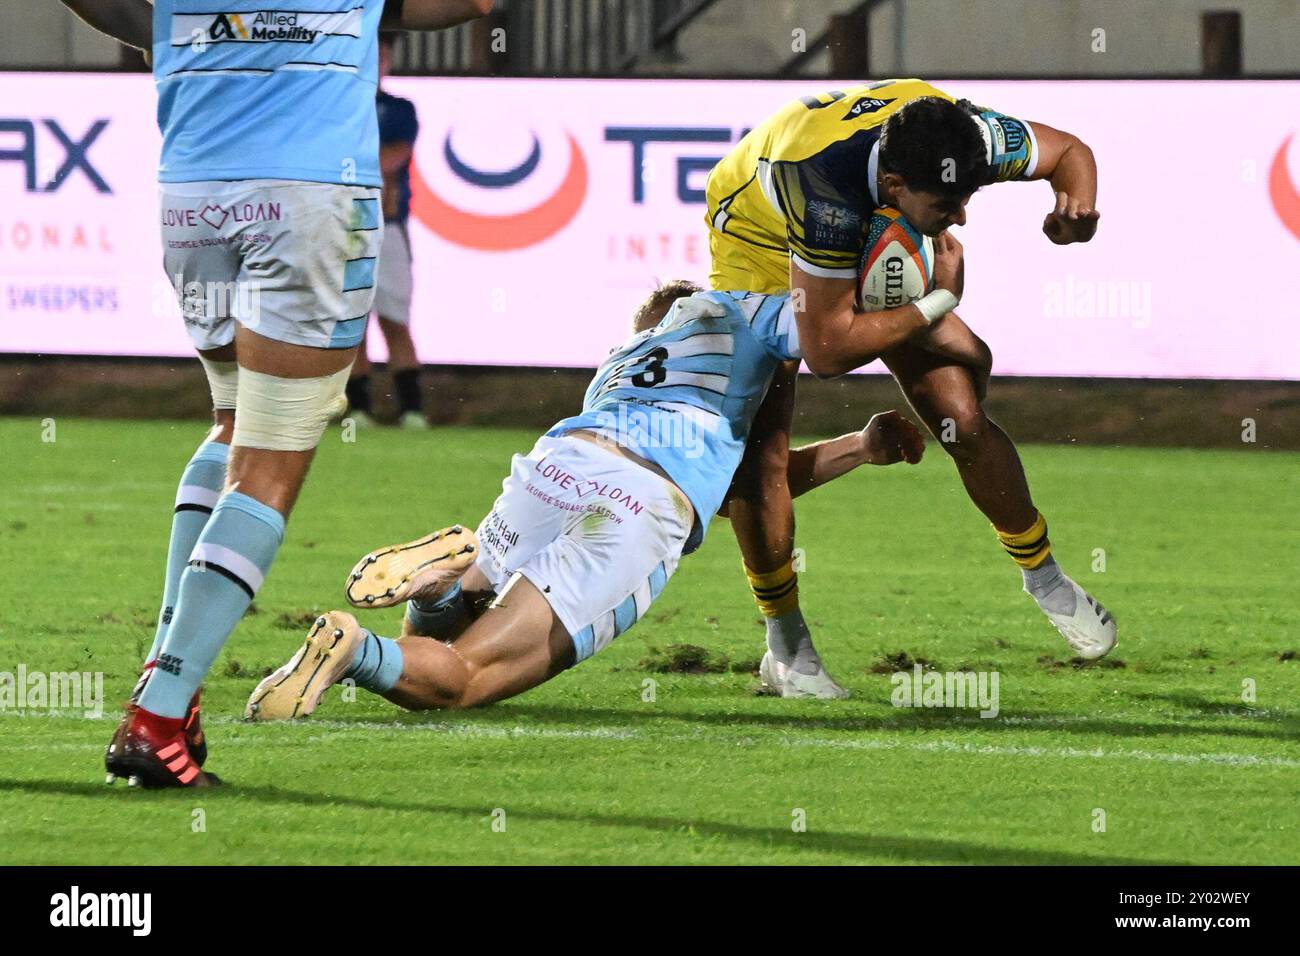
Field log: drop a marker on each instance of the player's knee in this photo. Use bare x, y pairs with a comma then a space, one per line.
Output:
962, 430
287, 414
223, 426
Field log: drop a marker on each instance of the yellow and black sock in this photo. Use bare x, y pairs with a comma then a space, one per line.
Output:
1028, 548
777, 592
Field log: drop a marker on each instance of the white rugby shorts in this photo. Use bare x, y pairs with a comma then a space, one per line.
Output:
294, 261
597, 534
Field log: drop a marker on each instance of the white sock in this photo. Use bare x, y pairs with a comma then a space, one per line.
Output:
790, 642
1048, 585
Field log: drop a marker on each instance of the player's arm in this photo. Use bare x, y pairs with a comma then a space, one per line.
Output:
127, 21
835, 338
432, 14
888, 438
1067, 163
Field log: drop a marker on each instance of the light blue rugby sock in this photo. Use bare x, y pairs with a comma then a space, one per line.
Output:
227, 567
197, 495
378, 664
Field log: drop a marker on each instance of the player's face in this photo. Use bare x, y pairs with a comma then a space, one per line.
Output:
931, 213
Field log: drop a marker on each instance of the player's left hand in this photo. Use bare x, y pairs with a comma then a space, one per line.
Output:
1071, 221
891, 438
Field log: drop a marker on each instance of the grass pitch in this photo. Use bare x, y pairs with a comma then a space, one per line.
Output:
1158, 743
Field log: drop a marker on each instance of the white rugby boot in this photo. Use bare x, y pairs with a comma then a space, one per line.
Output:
295, 688
1086, 626
420, 570
790, 683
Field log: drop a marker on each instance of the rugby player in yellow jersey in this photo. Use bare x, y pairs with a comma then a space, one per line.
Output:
787, 211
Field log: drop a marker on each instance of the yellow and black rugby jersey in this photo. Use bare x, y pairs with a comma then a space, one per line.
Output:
801, 185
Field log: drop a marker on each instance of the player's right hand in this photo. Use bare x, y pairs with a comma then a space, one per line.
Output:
891, 438
949, 263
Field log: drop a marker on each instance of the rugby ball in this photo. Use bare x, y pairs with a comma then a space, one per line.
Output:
897, 263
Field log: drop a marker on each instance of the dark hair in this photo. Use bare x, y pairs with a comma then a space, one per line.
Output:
651, 312
936, 147
388, 38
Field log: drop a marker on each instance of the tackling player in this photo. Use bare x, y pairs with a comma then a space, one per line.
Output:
269, 185
589, 525
787, 210
810, 466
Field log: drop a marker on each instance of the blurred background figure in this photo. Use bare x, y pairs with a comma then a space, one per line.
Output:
398, 127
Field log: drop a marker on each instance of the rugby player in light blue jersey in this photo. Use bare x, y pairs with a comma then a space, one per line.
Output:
271, 222
590, 525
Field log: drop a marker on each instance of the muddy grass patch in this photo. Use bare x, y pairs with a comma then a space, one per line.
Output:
901, 661
686, 659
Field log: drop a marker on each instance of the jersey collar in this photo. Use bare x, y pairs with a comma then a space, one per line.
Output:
873, 170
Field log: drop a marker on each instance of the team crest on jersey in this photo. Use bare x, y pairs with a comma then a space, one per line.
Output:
833, 217
865, 105
264, 26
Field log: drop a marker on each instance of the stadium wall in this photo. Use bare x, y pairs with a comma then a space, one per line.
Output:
1188, 414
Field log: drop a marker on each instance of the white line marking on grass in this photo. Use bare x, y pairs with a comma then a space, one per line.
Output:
1097, 753
335, 729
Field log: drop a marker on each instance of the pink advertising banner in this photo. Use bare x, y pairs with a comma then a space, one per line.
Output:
544, 210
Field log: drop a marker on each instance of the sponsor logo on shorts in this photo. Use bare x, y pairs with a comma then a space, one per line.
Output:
577, 507
264, 26
497, 535
216, 216
583, 487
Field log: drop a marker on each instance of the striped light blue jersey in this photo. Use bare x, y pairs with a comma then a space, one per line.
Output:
247, 92
684, 393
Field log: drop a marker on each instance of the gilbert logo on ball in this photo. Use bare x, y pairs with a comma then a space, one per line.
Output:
897, 263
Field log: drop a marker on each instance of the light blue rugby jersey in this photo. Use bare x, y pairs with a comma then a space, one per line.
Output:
250, 92
683, 394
